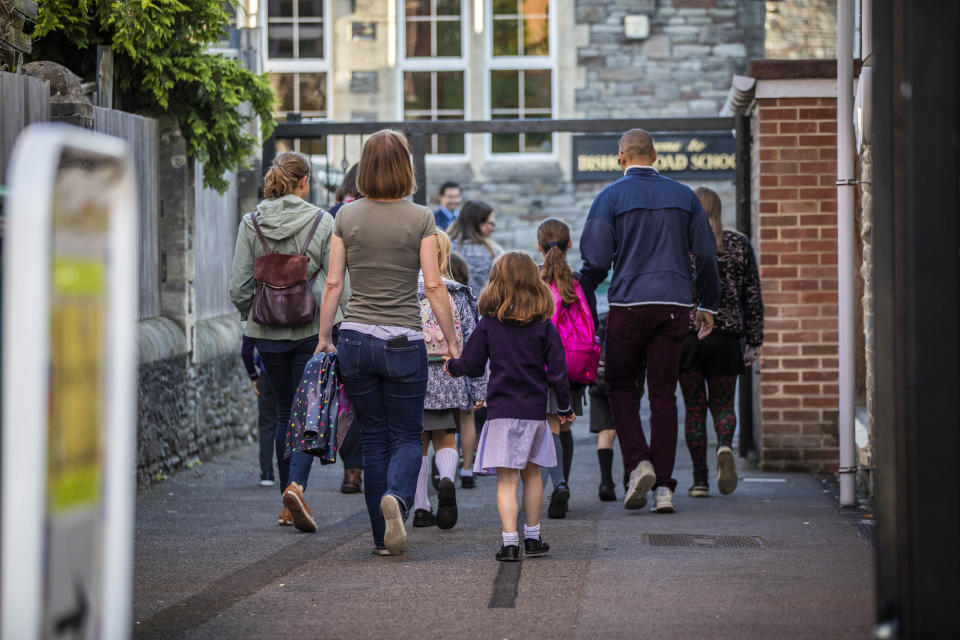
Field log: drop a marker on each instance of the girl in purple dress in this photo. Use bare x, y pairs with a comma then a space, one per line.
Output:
526, 359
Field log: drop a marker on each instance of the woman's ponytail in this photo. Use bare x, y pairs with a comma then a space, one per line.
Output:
286, 172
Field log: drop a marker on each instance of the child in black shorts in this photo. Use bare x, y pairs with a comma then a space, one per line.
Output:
601, 422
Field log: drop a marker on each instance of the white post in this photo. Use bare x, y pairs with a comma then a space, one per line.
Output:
845, 250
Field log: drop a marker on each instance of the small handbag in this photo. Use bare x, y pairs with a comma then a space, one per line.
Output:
283, 295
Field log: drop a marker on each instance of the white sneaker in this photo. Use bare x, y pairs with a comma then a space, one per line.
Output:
664, 500
395, 536
642, 480
726, 471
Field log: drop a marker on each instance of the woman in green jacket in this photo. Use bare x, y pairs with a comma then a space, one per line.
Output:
285, 219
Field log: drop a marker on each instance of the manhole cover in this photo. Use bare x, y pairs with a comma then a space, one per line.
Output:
704, 541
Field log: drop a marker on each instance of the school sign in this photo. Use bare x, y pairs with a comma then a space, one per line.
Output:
704, 156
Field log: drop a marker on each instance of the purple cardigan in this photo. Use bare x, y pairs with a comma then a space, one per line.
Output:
518, 381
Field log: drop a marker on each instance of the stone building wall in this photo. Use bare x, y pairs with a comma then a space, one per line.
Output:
682, 69
801, 29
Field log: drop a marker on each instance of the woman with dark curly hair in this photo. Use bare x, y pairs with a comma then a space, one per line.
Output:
709, 367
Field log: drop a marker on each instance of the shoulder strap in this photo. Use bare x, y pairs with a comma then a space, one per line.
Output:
256, 227
313, 230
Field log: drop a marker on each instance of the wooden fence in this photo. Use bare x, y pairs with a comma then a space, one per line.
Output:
142, 136
23, 101
216, 220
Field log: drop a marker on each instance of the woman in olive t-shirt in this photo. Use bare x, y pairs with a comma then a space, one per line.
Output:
385, 241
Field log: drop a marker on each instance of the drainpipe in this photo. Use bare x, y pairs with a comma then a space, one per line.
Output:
846, 183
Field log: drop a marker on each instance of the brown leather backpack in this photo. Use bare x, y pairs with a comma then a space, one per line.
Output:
283, 295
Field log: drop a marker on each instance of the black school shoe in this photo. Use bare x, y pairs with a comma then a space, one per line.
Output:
446, 504
607, 492
424, 518
468, 482
508, 553
535, 547
558, 502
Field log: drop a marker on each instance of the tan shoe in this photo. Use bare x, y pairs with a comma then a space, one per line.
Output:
395, 536
285, 519
293, 500
351, 481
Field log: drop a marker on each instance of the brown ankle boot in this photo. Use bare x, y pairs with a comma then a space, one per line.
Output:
351, 481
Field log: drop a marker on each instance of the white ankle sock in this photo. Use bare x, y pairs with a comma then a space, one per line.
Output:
447, 462
511, 538
531, 532
420, 498
466, 473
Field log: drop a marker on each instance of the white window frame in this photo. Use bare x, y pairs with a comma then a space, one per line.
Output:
302, 65
446, 63
287, 65
520, 63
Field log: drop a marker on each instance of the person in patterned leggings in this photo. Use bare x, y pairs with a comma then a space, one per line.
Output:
709, 367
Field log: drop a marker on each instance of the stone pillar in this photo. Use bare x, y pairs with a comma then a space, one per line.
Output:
176, 229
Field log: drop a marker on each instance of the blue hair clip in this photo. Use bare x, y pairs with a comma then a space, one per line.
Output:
552, 244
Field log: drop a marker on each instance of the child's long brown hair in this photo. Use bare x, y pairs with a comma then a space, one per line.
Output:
515, 292
711, 205
553, 237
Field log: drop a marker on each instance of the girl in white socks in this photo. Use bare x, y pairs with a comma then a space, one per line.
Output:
445, 397
526, 359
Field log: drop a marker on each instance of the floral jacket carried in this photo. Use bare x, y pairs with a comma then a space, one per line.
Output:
444, 392
741, 305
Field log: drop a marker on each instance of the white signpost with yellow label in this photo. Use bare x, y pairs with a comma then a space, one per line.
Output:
69, 386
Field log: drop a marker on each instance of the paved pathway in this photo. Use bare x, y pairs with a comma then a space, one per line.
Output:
211, 563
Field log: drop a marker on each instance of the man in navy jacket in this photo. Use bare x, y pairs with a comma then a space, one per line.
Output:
646, 226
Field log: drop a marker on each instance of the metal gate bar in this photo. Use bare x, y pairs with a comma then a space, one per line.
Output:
418, 130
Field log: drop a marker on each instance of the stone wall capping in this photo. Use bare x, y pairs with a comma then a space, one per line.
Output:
158, 339
217, 337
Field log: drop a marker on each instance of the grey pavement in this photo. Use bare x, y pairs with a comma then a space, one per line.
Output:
776, 559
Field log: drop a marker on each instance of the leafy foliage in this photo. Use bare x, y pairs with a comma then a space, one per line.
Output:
162, 66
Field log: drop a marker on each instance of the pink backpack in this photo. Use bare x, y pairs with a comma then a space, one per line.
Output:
574, 322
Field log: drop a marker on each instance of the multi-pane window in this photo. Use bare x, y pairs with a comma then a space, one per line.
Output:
433, 62
521, 93
521, 28
435, 95
295, 28
433, 28
305, 94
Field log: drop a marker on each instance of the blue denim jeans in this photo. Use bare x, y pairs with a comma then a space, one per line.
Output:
284, 362
387, 386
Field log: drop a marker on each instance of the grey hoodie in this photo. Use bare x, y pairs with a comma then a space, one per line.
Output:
285, 223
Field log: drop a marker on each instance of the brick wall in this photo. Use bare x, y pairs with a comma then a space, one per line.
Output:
796, 239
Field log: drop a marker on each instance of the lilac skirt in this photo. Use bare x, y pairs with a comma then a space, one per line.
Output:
512, 443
